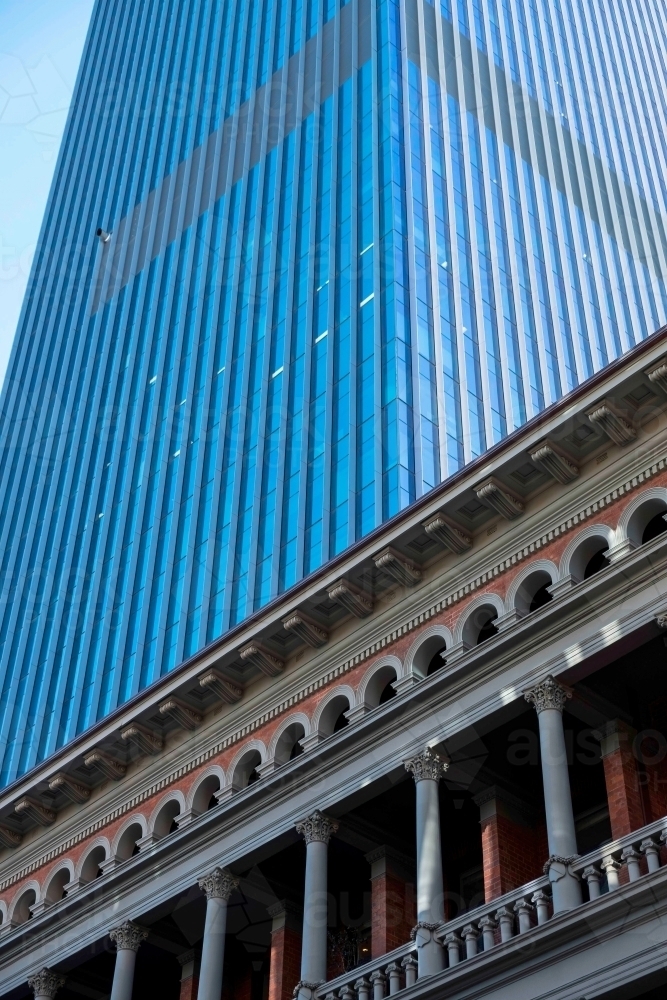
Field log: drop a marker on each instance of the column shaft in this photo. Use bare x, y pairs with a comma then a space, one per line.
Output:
123, 974
430, 908
317, 830
315, 909
213, 949
556, 780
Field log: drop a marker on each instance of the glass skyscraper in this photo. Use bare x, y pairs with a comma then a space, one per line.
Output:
352, 247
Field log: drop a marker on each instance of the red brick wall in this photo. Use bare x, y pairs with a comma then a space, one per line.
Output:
189, 988
285, 970
393, 913
512, 854
624, 796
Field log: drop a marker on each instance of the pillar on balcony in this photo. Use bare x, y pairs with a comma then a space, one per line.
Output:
621, 775
549, 699
189, 975
392, 899
427, 769
316, 830
285, 949
511, 841
127, 939
218, 887
45, 984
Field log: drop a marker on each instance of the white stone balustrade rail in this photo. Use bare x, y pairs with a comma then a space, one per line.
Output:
515, 913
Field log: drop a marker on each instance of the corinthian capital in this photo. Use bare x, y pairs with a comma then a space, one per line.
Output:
317, 827
548, 694
426, 765
128, 936
220, 884
46, 983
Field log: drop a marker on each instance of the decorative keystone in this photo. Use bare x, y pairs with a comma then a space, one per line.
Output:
181, 712
317, 827
552, 459
351, 598
73, 790
46, 983
398, 567
548, 694
657, 374
494, 494
220, 884
34, 810
215, 681
256, 654
306, 629
128, 936
447, 532
608, 418
142, 737
426, 765
9, 837
104, 762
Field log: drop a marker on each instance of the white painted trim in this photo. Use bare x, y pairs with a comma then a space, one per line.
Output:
31, 886
488, 599
98, 842
538, 566
591, 531
381, 664
623, 529
209, 772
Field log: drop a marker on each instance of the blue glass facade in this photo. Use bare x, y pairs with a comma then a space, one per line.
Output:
354, 245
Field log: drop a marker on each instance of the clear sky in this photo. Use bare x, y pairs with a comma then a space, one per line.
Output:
40, 48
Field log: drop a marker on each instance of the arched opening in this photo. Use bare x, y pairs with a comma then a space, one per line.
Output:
647, 521
128, 844
165, 821
480, 625
22, 909
288, 746
428, 658
380, 687
56, 888
533, 592
333, 717
656, 526
245, 772
589, 557
90, 870
204, 798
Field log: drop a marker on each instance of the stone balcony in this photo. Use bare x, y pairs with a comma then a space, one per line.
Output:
518, 948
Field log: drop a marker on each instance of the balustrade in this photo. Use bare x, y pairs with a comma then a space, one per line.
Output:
494, 924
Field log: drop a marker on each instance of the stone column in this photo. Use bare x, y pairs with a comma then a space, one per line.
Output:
549, 698
317, 830
127, 939
45, 984
218, 887
427, 769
